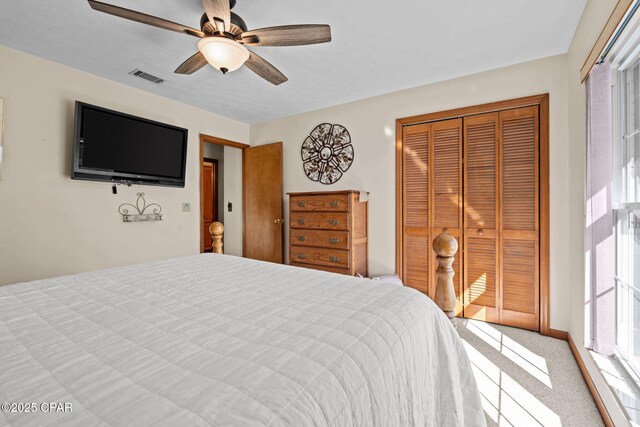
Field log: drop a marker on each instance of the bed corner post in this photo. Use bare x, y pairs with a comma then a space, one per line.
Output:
216, 229
445, 247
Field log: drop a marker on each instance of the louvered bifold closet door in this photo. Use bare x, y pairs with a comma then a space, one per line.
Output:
481, 219
416, 205
519, 218
446, 193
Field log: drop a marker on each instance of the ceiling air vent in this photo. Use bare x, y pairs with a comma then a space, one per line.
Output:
146, 76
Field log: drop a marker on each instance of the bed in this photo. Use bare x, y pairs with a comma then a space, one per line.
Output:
219, 340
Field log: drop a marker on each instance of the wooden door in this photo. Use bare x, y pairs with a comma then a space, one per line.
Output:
446, 195
263, 205
519, 213
209, 198
432, 199
481, 219
501, 236
415, 222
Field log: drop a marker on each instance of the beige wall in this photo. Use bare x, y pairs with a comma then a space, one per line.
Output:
371, 123
51, 225
233, 194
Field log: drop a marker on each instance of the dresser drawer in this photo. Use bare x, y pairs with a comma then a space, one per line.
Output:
319, 256
322, 268
320, 220
321, 238
324, 203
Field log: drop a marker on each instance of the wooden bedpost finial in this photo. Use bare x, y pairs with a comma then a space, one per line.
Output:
216, 229
445, 247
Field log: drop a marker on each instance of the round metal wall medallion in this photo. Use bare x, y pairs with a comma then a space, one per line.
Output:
327, 153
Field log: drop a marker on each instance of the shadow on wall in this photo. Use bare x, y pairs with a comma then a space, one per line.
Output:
69, 107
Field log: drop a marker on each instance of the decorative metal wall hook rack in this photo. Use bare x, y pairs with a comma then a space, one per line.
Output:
140, 206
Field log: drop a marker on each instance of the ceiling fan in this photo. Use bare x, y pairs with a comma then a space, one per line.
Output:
224, 38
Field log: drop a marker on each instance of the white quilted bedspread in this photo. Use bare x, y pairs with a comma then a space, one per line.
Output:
220, 340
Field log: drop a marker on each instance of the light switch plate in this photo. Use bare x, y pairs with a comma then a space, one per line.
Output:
186, 207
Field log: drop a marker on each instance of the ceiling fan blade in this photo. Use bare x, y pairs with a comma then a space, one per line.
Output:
218, 12
143, 18
193, 64
288, 35
264, 69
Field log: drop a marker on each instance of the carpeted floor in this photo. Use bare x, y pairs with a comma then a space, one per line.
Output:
526, 379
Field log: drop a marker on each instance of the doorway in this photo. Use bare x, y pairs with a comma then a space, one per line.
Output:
221, 191
248, 184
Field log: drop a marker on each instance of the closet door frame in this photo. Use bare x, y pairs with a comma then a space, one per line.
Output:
542, 102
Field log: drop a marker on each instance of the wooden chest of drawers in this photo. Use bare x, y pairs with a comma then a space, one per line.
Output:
329, 231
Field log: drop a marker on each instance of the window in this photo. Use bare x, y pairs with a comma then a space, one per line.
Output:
626, 204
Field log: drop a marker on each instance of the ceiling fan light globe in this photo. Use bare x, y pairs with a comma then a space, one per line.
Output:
223, 53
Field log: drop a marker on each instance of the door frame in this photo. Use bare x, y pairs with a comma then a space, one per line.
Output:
542, 101
219, 141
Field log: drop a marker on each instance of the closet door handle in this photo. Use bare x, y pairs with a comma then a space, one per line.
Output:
481, 232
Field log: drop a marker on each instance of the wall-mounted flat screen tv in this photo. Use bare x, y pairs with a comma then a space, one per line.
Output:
120, 148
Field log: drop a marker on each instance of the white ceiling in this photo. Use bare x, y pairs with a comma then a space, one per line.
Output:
379, 46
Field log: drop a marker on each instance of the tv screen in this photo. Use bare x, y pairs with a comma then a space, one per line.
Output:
117, 147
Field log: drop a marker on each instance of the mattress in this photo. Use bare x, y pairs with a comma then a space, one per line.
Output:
221, 340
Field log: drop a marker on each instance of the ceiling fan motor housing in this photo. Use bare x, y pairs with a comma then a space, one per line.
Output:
238, 26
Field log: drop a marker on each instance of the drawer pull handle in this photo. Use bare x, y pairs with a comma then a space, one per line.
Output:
300, 221
334, 240
334, 203
301, 238
301, 255
302, 204
334, 259
333, 221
